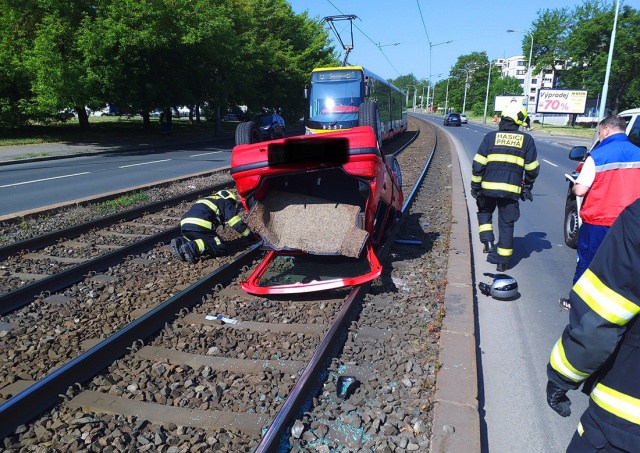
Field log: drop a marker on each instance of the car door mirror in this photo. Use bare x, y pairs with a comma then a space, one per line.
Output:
578, 153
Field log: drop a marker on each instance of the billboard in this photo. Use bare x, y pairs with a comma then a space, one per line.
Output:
561, 101
501, 102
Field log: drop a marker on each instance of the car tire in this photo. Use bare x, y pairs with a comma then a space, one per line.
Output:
369, 115
247, 133
571, 224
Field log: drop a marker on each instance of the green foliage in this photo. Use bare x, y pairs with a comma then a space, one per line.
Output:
140, 55
583, 40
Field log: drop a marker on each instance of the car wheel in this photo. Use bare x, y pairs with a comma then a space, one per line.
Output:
571, 224
370, 116
247, 133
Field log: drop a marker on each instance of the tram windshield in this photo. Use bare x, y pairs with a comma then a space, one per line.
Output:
335, 96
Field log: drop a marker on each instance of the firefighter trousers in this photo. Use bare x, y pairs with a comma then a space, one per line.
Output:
208, 243
508, 214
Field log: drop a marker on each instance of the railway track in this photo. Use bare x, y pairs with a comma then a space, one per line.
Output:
210, 363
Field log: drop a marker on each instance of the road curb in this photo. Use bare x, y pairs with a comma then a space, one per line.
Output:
456, 419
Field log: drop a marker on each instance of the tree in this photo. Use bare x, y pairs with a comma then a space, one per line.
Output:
582, 39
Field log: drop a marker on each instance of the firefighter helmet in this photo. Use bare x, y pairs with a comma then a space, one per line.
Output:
503, 287
516, 113
227, 196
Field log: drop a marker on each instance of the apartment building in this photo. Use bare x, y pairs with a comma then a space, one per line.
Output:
516, 67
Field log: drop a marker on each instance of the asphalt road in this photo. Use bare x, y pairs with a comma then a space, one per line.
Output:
31, 185
515, 338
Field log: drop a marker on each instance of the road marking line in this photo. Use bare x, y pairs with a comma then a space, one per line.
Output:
46, 179
550, 163
145, 163
205, 154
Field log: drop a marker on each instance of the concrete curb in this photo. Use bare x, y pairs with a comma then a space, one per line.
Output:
456, 420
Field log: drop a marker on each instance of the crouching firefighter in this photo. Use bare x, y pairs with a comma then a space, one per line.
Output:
504, 170
600, 347
198, 226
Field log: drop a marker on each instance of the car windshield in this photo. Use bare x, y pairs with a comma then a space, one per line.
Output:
262, 119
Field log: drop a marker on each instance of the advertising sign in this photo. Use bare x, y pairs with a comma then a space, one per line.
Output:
501, 102
561, 101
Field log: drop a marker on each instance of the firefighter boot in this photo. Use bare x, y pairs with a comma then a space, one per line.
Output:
190, 251
489, 247
501, 267
176, 245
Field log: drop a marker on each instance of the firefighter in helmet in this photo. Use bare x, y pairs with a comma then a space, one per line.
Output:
198, 226
504, 170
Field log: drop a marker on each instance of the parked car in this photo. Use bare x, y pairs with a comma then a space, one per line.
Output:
271, 125
463, 118
572, 219
294, 185
452, 119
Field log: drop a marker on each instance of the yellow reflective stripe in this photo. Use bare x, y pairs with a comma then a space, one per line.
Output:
486, 227
504, 252
246, 232
233, 220
501, 186
476, 178
560, 363
480, 159
580, 429
210, 204
603, 300
196, 221
510, 158
532, 165
200, 244
217, 240
617, 403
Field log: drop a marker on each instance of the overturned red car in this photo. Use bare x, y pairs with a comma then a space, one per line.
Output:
322, 204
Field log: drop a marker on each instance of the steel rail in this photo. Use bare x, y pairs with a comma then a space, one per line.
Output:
31, 402
45, 240
23, 296
276, 437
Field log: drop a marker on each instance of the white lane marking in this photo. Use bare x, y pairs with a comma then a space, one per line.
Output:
550, 163
205, 154
46, 179
145, 163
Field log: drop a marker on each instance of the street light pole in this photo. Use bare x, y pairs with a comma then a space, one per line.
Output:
605, 88
407, 100
486, 98
529, 74
446, 98
466, 85
431, 46
422, 97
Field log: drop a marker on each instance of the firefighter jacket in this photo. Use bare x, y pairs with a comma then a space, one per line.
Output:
617, 181
600, 346
208, 213
501, 160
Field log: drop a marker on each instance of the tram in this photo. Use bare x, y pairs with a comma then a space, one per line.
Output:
348, 96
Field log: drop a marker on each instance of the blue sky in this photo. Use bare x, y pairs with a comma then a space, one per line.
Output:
471, 25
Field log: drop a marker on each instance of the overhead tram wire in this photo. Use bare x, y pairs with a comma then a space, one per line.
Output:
372, 41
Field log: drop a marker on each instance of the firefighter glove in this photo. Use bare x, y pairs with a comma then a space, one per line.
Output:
220, 250
558, 400
475, 192
526, 193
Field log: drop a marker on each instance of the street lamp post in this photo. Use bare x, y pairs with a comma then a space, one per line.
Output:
486, 98
529, 74
466, 85
446, 98
422, 97
605, 88
414, 99
431, 46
